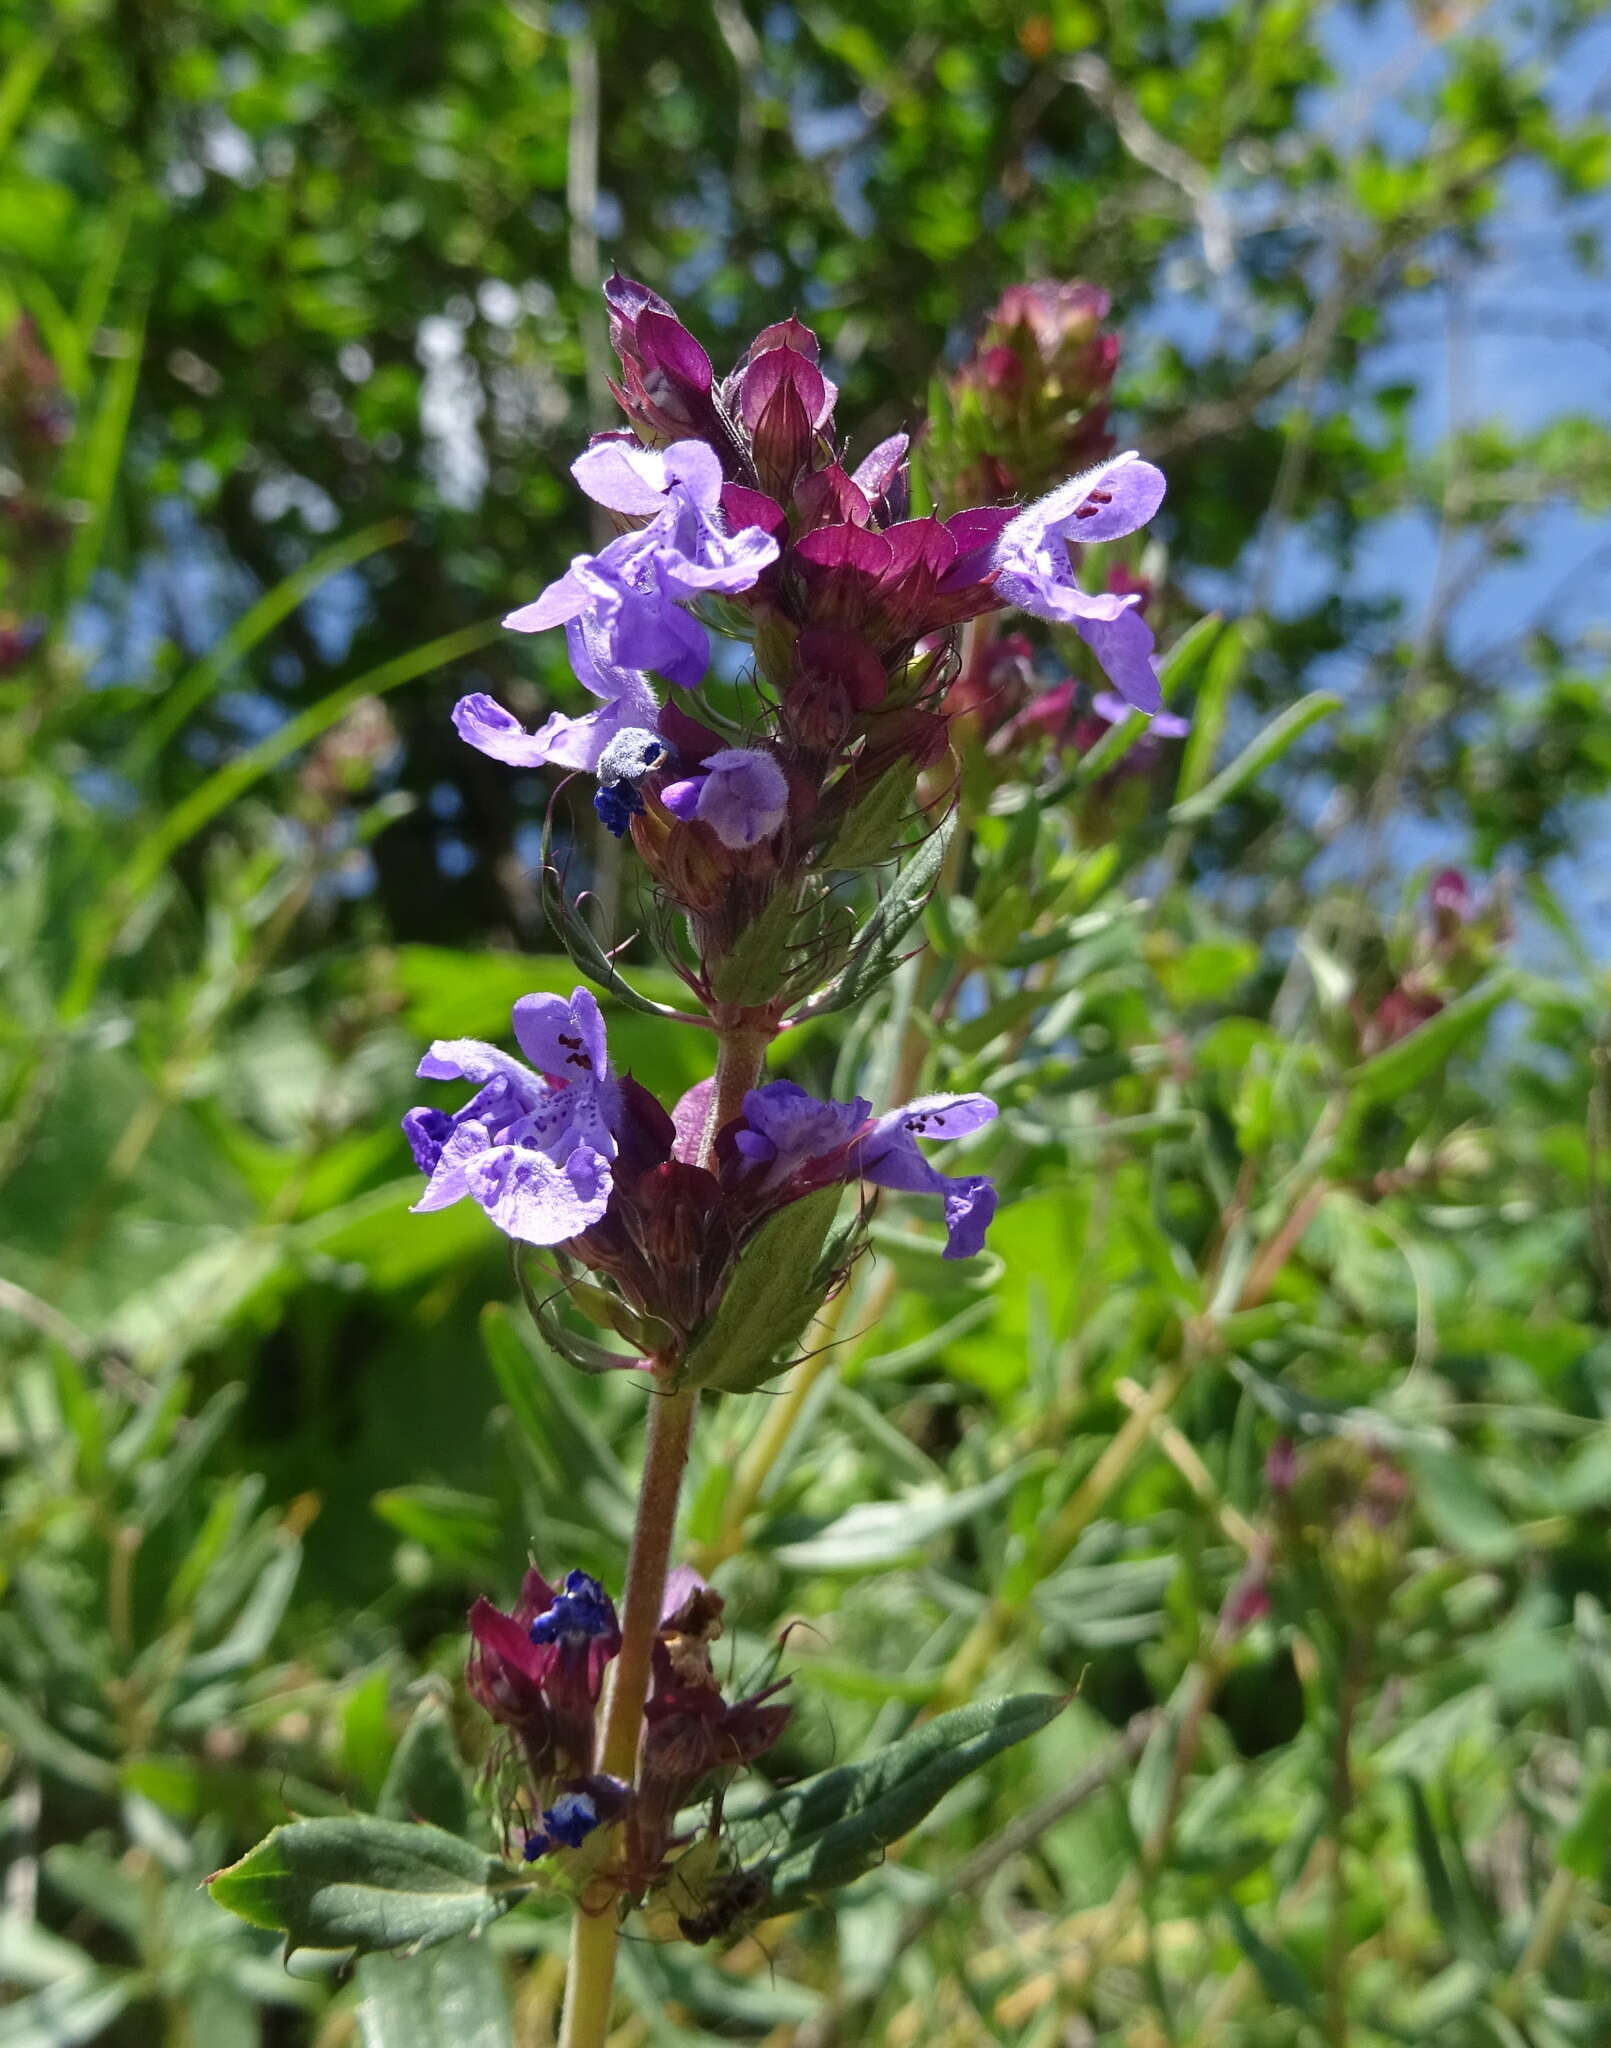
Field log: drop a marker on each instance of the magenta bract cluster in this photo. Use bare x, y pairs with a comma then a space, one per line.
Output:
539, 1672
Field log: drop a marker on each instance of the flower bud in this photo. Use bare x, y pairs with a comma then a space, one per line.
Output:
1031, 404
666, 376
783, 399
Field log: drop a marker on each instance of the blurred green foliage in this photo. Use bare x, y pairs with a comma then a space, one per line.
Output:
318, 286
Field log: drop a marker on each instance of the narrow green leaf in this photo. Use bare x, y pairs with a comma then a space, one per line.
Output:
1396, 1069
776, 1288
226, 786
1450, 1494
882, 1532
576, 935
571, 1454
179, 703
1211, 710
1284, 1983
459, 1528
366, 1884
1260, 753
21, 76
254, 1626
1455, 1910
839, 1824
875, 950
60, 2016
97, 462
33, 1737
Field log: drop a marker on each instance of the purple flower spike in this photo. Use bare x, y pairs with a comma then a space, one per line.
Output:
742, 795
632, 592
534, 1149
628, 702
1036, 571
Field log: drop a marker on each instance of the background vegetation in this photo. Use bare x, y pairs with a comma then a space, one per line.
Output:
314, 334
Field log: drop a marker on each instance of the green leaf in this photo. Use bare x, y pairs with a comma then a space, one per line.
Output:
1211, 709
757, 967
773, 1292
1586, 1846
186, 696
79, 2009
1453, 1499
366, 1884
459, 1528
1284, 1983
1396, 1069
839, 1824
426, 1780
875, 950
572, 1458
882, 1532
1260, 753
576, 935
150, 858
873, 824
1454, 1904
454, 1994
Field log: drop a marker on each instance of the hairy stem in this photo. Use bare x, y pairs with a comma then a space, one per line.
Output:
741, 1043
594, 1935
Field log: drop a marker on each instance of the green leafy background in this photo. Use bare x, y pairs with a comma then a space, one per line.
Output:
320, 286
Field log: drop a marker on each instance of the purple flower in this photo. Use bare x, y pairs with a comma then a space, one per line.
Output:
741, 794
792, 1140
533, 1148
575, 1814
1036, 571
628, 703
634, 590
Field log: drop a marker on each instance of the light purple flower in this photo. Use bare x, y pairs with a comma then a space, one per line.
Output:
789, 1136
1036, 571
533, 1148
741, 794
628, 701
634, 589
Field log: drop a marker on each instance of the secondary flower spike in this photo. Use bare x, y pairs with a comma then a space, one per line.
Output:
1036, 571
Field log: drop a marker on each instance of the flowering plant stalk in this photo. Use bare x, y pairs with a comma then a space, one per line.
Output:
691, 1245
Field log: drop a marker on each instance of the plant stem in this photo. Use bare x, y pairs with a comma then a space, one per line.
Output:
741, 1044
1341, 1801
590, 1979
594, 1935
